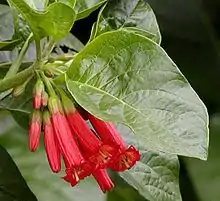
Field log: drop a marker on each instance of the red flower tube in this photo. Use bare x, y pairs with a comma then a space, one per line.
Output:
50, 143
98, 153
104, 181
126, 157
67, 144
34, 131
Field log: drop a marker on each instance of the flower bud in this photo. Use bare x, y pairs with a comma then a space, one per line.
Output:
19, 90
35, 130
48, 73
50, 143
38, 91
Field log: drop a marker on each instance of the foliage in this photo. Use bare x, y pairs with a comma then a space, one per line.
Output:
121, 75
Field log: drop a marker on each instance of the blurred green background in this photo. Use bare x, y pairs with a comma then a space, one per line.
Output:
191, 36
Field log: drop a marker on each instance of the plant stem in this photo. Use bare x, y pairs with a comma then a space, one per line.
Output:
17, 63
7, 65
17, 79
38, 51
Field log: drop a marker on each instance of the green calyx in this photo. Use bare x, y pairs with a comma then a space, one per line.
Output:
46, 117
67, 103
36, 116
39, 87
54, 105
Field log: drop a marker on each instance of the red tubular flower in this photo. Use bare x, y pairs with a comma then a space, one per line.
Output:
38, 91
34, 130
103, 180
94, 150
74, 160
50, 143
73, 175
126, 157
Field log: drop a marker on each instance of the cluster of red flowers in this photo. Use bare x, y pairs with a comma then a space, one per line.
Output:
85, 151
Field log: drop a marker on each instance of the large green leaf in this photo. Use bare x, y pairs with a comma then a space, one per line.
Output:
35, 169
70, 3
56, 21
12, 185
156, 175
128, 14
37, 4
124, 77
123, 191
84, 8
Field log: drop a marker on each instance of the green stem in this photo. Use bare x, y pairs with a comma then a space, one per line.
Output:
17, 79
17, 63
7, 65
38, 51
49, 87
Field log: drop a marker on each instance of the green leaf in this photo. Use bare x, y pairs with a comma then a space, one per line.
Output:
12, 185
129, 14
143, 33
124, 77
37, 4
21, 27
56, 21
35, 169
123, 191
84, 8
156, 175
6, 23
70, 3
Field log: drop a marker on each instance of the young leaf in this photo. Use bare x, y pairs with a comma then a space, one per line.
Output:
12, 185
156, 175
35, 169
84, 8
128, 14
124, 77
56, 21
